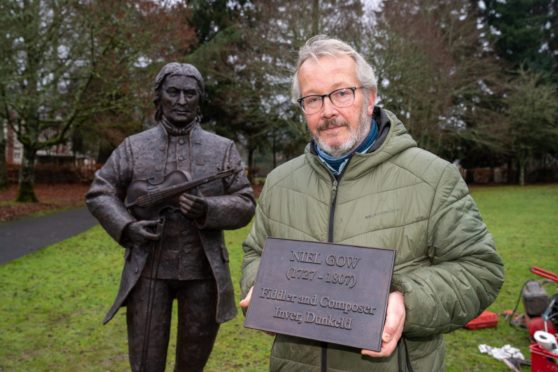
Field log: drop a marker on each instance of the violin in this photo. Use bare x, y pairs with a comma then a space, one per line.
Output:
146, 199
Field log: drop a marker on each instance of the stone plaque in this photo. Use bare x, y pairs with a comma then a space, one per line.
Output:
322, 291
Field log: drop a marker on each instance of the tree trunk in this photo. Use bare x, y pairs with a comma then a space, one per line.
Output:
274, 147
3, 163
26, 191
251, 165
315, 17
510, 171
521, 165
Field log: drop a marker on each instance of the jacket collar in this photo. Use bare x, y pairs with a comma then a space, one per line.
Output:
393, 139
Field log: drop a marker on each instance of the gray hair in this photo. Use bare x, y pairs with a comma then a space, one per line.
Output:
320, 46
181, 69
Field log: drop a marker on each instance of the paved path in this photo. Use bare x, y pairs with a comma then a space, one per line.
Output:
17, 238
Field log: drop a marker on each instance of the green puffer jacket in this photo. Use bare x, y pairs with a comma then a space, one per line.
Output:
398, 197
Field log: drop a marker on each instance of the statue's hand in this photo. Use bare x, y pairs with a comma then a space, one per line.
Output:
141, 232
193, 206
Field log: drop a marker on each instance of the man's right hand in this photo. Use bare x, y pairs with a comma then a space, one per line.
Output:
141, 232
245, 302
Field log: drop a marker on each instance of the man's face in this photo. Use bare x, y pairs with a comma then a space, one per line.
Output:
337, 130
180, 99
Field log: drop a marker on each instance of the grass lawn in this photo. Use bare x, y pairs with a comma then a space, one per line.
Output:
52, 302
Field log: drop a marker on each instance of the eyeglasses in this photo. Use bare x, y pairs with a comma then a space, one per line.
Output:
343, 97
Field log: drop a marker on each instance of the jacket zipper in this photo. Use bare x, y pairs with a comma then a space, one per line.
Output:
330, 240
332, 211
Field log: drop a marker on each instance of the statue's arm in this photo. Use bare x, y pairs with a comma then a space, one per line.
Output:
236, 207
105, 198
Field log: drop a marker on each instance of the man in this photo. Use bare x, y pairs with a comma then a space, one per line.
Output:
363, 181
175, 248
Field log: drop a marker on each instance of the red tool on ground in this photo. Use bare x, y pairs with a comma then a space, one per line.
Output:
487, 319
541, 314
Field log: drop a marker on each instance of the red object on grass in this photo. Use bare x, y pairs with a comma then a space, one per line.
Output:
542, 360
544, 273
487, 319
537, 324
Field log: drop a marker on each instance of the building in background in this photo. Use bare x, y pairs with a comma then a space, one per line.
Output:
55, 164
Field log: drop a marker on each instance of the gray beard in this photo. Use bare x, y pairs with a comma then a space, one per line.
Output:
355, 137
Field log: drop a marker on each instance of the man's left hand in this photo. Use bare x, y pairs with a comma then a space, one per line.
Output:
393, 327
193, 206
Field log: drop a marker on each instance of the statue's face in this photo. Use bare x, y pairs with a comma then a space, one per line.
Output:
180, 100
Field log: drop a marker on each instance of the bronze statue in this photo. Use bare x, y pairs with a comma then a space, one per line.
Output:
165, 195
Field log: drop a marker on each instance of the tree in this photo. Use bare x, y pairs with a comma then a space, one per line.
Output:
233, 91
524, 33
524, 36
532, 117
46, 67
72, 68
141, 36
436, 73
4, 44
3, 168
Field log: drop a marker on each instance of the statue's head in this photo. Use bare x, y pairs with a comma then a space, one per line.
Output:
179, 91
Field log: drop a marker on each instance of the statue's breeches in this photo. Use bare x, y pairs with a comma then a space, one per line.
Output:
197, 327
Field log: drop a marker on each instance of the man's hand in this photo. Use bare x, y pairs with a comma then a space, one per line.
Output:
141, 232
245, 302
193, 206
393, 328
